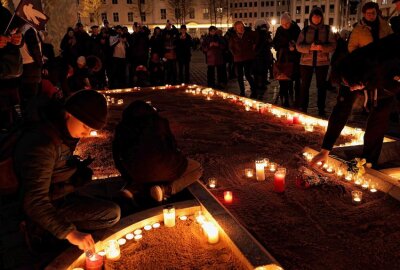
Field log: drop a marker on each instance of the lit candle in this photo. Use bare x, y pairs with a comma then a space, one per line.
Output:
93, 133
308, 127
156, 225
373, 187
289, 118
212, 182
102, 253
198, 216
260, 173
129, 236
358, 180
112, 100
296, 119
169, 216
228, 197
249, 173
319, 163
329, 169
212, 232
340, 173
120, 101
183, 218
112, 250
325, 166
365, 184
357, 196
121, 241
279, 180
138, 237
266, 162
247, 108
147, 227
349, 176
94, 262
272, 167
138, 231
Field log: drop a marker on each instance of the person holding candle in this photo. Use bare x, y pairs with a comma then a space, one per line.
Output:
146, 153
57, 197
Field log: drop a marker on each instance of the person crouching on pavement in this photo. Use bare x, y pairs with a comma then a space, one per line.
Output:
146, 153
58, 197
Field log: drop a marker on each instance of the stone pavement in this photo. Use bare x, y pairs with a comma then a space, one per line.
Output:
357, 119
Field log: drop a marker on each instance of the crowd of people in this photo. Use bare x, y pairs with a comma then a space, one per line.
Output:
57, 194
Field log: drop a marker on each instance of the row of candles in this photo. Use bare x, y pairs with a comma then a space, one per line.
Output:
112, 251
348, 176
291, 118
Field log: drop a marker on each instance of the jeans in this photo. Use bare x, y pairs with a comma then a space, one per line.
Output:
184, 71
306, 73
247, 67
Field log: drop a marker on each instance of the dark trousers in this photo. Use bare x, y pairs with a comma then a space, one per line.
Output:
245, 68
9, 102
170, 71
118, 73
376, 127
285, 89
221, 75
91, 207
184, 71
306, 73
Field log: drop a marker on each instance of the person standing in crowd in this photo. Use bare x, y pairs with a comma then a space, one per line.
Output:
138, 48
119, 46
372, 68
170, 35
184, 53
263, 59
213, 46
32, 59
316, 41
285, 45
10, 69
242, 44
58, 196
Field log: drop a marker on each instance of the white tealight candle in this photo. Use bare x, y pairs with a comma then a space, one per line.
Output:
121, 241
147, 227
349, 176
249, 173
340, 173
138, 231
156, 225
129, 236
183, 218
169, 216
93, 133
212, 232
329, 170
357, 196
373, 187
138, 237
325, 166
365, 184
260, 173
272, 167
112, 250
212, 182
319, 163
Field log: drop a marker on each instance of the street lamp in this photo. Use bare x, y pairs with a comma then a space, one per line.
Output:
273, 22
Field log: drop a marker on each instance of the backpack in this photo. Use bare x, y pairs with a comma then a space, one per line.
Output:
9, 183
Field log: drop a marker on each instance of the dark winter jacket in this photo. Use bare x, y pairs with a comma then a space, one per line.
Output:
42, 160
283, 38
144, 147
215, 53
243, 48
184, 48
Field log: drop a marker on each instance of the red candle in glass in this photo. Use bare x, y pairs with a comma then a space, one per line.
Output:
296, 119
94, 262
228, 196
279, 180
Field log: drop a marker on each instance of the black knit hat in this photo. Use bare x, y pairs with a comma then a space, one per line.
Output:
89, 107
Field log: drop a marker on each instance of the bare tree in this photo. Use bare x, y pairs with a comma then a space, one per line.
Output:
180, 9
142, 7
92, 8
217, 9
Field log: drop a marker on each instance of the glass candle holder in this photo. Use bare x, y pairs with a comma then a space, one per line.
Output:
249, 173
260, 173
373, 187
266, 162
365, 184
356, 196
272, 166
120, 101
330, 169
349, 176
279, 180
212, 182
169, 216
112, 250
93, 133
199, 217
319, 163
296, 119
308, 127
358, 180
94, 262
228, 196
339, 172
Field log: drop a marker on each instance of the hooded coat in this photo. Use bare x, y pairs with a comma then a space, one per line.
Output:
318, 34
